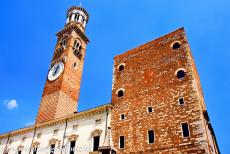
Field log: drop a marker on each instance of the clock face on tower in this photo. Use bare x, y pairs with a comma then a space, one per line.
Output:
55, 71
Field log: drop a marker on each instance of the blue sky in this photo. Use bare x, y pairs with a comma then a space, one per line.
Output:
27, 40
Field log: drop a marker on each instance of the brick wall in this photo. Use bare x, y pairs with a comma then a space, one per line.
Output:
149, 80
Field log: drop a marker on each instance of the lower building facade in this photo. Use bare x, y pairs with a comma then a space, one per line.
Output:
82, 133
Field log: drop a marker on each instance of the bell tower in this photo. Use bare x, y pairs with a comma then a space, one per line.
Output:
62, 87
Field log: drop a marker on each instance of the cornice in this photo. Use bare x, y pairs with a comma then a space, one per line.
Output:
74, 27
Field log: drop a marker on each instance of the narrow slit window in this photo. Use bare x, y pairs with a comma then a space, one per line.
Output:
150, 109
181, 101
185, 129
122, 116
151, 137
122, 142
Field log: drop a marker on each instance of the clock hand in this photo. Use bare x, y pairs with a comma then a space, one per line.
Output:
56, 70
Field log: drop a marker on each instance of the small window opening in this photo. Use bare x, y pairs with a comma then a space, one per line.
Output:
122, 142
180, 74
151, 136
55, 132
120, 93
96, 141
39, 135
78, 54
35, 149
122, 116
64, 42
23, 139
185, 129
76, 17
75, 43
121, 68
83, 19
52, 148
72, 147
77, 49
59, 50
181, 101
98, 121
75, 127
80, 47
176, 45
150, 109
75, 65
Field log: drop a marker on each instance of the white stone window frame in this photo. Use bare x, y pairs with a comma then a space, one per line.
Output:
118, 67
171, 46
120, 90
182, 134
153, 136
71, 138
94, 133
180, 69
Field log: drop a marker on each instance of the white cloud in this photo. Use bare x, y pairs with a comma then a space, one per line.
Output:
11, 104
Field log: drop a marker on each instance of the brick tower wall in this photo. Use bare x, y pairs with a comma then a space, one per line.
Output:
60, 97
149, 80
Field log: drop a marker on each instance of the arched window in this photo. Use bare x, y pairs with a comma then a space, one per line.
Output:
120, 93
77, 49
76, 17
176, 45
121, 67
64, 42
181, 74
77, 45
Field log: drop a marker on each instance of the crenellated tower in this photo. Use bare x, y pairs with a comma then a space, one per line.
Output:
62, 87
